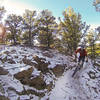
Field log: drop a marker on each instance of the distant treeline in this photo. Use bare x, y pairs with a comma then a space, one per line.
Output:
43, 29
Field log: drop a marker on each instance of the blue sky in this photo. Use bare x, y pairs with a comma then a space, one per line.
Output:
84, 7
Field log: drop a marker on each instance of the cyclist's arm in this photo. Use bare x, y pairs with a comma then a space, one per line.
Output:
75, 53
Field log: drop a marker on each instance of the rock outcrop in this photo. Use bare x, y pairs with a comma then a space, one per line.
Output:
3, 71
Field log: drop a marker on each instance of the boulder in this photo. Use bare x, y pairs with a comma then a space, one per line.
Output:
58, 70
92, 74
27, 61
47, 54
24, 74
3, 98
6, 59
27, 78
6, 52
3, 71
3, 59
41, 65
11, 61
38, 83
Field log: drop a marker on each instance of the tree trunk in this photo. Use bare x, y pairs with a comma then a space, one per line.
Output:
30, 37
14, 40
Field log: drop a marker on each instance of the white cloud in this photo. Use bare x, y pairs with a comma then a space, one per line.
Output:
93, 26
17, 7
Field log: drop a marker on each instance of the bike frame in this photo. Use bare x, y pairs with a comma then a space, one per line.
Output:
78, 67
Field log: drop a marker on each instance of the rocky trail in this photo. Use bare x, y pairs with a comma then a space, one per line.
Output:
34, 74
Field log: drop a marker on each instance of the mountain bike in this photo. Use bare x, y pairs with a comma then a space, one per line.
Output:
78, 67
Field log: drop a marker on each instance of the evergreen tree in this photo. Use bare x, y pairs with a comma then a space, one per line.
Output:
72, 30
29, 26
13, 24
92, 38
46, 27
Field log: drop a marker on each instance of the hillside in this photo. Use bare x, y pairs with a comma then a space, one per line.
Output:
38, 74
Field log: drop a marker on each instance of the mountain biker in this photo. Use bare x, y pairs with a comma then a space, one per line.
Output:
82, 54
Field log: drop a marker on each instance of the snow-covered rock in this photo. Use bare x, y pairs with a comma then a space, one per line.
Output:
37, 74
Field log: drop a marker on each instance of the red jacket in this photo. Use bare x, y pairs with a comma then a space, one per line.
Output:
82, 52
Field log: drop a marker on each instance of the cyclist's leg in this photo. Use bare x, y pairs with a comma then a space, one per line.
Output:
83, 58
77, 67
80, 62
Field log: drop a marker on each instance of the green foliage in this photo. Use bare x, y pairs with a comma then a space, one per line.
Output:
24, 29
93, 49
25, 38
13, 24
29, 26
71, 29
46, 26
97, 50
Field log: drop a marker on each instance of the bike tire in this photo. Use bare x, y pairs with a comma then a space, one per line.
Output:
76, 69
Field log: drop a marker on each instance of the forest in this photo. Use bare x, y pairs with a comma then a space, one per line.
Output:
45, 30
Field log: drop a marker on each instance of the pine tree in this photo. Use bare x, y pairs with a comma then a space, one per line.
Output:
46, 26
92, 38
71, 29
29, 26
13, 24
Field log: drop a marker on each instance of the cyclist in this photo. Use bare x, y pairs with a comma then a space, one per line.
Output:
82, 54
